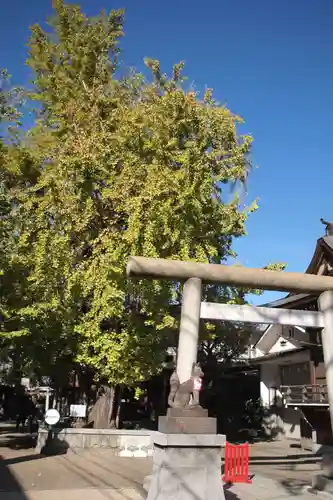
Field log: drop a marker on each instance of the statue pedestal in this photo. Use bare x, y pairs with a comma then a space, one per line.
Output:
186, 467
187, 421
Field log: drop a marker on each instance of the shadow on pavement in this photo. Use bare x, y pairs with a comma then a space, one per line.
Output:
5, 429
283, 461
229, 495
263, 487
46, 452
272, 458
92, 478
8, 483
53, 445
18, 442
294, 486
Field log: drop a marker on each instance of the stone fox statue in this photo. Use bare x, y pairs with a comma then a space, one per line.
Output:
180, 394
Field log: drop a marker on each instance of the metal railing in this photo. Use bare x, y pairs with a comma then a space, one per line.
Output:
304, 394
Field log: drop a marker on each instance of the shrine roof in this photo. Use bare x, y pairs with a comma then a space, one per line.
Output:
321, 264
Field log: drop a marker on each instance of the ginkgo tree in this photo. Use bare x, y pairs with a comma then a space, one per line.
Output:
11, 273
115, 166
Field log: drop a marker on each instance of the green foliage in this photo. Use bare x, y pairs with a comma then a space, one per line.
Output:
114, 167
9, 118
11, 275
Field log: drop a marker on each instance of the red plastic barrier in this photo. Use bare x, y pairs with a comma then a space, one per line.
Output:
236, 463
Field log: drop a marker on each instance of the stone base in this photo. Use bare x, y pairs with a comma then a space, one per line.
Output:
194, 411
129, 443
322, 483
324, 480
186, 467
187, 425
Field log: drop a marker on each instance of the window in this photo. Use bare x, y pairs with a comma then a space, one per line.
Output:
296, 374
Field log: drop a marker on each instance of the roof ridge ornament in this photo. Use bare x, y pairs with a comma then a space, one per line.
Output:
329, 227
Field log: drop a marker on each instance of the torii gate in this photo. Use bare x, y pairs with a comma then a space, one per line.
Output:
193, 308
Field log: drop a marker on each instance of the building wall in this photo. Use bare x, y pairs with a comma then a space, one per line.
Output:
269, 383
291, 423
320, 374
270, 374
280, 421
295, 334
296, 373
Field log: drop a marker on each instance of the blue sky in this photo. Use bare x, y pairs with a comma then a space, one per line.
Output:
269, 61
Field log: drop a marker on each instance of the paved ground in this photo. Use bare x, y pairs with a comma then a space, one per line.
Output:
284, 462
280, 472
264, 488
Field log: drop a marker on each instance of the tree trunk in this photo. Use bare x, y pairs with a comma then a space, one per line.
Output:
105, 412
115, 409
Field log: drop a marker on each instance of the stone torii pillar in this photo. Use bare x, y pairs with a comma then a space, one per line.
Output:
326, 306
189, 329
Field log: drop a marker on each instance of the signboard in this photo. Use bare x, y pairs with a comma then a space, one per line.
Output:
25, 381
52, 417
78, 411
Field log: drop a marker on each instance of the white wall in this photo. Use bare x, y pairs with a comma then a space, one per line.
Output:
269, 379
285, 346
252, 353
